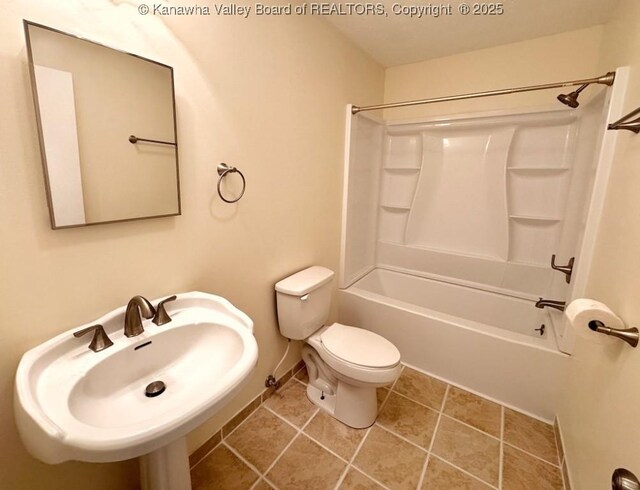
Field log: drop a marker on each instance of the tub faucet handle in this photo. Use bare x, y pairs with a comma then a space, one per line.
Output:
100, 340
161, 317
567, 270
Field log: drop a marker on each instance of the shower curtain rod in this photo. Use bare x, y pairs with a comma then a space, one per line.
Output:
604, 80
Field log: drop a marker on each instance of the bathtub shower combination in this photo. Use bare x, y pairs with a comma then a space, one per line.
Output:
449, 227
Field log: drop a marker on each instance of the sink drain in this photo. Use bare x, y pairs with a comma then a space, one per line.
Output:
154, 389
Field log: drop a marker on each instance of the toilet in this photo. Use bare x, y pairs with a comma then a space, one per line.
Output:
345, 364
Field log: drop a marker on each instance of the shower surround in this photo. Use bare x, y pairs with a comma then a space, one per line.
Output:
449, 226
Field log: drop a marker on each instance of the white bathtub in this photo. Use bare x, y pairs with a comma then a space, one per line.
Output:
481, 341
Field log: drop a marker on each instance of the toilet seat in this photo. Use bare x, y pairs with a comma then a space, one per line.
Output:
359, 346
342, 363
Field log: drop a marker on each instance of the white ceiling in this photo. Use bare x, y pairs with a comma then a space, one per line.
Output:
398, 39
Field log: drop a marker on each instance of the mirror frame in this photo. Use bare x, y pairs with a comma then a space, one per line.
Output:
26, 23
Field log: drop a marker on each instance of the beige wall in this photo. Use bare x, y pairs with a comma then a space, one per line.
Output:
599, 414
568, 56
267, 95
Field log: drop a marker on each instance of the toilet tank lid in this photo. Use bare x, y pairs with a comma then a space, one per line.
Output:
305, 281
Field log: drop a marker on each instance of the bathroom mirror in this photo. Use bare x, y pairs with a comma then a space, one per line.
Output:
107, 127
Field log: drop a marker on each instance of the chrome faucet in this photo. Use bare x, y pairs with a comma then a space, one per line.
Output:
137, 308
550, 303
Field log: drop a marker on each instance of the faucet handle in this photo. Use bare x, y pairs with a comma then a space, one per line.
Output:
100, 339
161, 317
567, 270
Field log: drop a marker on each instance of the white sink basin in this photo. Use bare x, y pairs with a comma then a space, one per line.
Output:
75, 404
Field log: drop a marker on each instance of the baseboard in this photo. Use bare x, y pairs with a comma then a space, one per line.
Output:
210, 444
564, 465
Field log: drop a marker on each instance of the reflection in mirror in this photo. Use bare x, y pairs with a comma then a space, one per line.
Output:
90, 100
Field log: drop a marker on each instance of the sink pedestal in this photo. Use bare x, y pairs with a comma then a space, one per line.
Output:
166, 468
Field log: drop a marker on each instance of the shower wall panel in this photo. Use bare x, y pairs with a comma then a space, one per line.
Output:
480, 200
460, 202
483, 200
363, 182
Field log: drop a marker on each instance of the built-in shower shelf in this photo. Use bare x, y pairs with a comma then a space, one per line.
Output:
402, 169
538, 169
534, 218
398, 207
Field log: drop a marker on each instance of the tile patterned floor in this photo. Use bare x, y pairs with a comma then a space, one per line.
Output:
428, 436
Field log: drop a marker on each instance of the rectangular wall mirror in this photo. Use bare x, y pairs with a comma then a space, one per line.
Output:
107, 129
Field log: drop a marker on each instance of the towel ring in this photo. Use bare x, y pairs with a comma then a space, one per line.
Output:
223, 170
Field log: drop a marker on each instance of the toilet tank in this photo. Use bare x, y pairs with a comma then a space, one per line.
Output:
304, 300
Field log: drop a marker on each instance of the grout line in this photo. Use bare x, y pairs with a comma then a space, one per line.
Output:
471, 427
462, 470
343, 475
243, 459
353, 458
325, 448
532, 455
355, 468
383, 402
241, 423
433, 440
292, 439
477, 393
321, 444
400, 437
270, 482
298, 429
298, 432
501, 467
423, 473
223, 436
205, 456
414, 401
293, 378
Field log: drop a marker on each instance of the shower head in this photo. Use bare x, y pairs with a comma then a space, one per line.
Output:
572, 99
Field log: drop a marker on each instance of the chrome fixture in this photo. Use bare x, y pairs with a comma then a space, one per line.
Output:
223, 170
137, 308
161, 317
100, 340
572, 99
623, 479
565, 269
629, 335
607, 79
626, 122
550, 303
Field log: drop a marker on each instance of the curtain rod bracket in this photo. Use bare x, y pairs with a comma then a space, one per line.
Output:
627, 123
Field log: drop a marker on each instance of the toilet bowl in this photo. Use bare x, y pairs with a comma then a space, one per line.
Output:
345, 364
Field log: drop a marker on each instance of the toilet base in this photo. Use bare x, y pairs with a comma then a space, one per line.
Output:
355, 406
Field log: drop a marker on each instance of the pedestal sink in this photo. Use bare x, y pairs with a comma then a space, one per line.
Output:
75, 404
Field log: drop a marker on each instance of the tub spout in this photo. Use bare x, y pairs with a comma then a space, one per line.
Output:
550, 303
